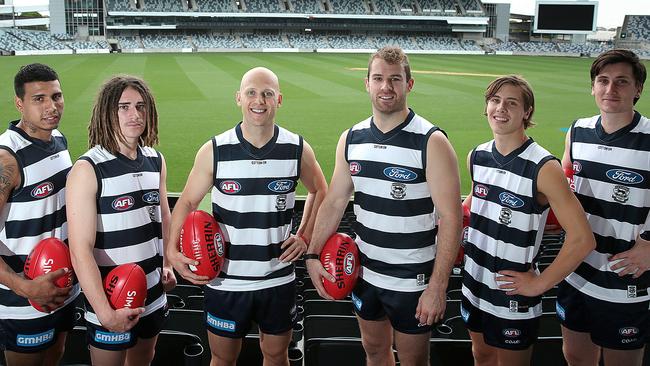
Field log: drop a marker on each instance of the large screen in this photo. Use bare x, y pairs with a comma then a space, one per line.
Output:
568, 17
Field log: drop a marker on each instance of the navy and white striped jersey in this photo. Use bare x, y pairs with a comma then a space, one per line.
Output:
612, 179
506, 226
35, 210
396, 227
253, 198
129, 220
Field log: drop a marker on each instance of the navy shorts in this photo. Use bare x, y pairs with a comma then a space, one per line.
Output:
35, 335
621, 326
374, 303
515, 335
147, 327
231, 313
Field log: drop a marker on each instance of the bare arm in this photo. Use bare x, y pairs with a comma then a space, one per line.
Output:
197, 186
81, 189
468, 199
329, 215
552, 185
168, 277
41, 290
313, 179
566, 156
444, 185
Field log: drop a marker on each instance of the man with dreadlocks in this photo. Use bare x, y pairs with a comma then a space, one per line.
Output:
118, 213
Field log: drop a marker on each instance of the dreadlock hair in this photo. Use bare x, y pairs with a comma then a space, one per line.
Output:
104, 128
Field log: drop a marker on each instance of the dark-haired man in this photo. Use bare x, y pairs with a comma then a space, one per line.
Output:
33, 154
603, 305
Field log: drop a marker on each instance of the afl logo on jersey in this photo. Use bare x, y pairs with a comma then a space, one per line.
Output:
151, 197
355, 168
43, 190
399, 174
280, 186
230, 187
123, 203
624, 176
510, 199
511, 332
481, 191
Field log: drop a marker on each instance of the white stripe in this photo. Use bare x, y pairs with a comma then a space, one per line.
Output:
287, 137
643, 126
261, 237
397, 256
395, 224
602, 293
534, 153
613, 228
481, 274
391, 283
604, 191
21, 211
25, 244
633, 159
388, 154
133, 254
233, 169
418, 125
501, 311
119, 221
46, 168
382, 188
519, 220
127, 183
153, 278
159, 303
494, 176
252, 203
501, 249
248, 285
28, 312
362, 125
252, 268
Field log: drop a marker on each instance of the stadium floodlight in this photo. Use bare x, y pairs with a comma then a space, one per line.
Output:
565, 17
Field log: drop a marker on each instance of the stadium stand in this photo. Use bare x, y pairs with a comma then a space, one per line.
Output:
430, 6
165, 41
405, 42
128, 42
385, 7
638, 27
263, 6
215, 41
119, 5
431, 43
164, 5
306, 6
259, 41
407, 7
350, 41
449, 6
38, 40
307, 41
505, 46
348, 7
217, 6
538, 47
472, 7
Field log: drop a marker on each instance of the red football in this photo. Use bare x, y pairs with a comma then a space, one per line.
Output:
49, 255
464, 236
126, 286
340, 257
202, 240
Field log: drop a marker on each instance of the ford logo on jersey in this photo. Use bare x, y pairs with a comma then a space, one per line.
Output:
399, 174
280, 186
151, 197
510, 199
123, 203
624, 176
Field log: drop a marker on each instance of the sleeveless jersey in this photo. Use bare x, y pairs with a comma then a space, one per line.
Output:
35, 210
395, 221
612, 179
129, 221
253, 198
506, 227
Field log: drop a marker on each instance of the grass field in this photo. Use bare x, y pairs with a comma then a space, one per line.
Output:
323, 95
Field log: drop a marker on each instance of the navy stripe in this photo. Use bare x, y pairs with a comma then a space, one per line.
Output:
494, 264
127, 237
234, 152
517, 165
391, 207
15, 262
117, 167
253, 252
499, 297
609, 245
508, 234
286, 271
375, 169
256, 186
9, 298
598, 171
613, 210
105, 203
406, 271
57, 180
35, 227
417, 240
36, 152
613, 281
252, 220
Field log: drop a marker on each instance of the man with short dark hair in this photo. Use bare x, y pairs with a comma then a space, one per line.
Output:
603, 305
33, 153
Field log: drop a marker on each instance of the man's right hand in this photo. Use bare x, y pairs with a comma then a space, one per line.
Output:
317, 273
120, 320
44, 292
181, 263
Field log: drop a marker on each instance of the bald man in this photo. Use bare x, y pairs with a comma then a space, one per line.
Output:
253, 170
